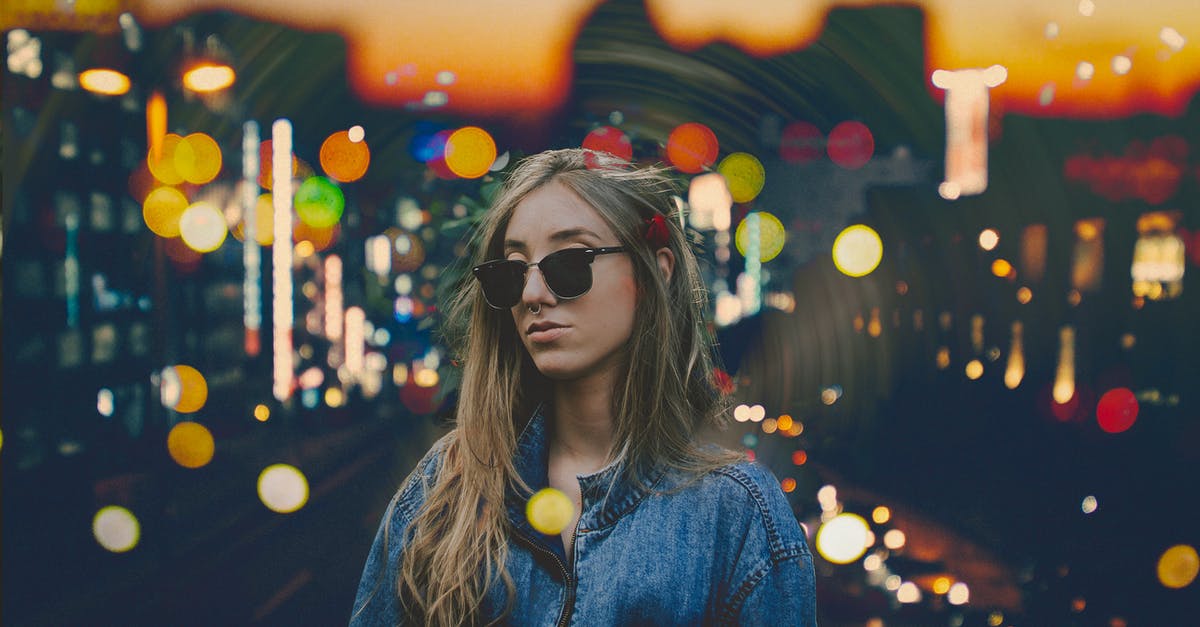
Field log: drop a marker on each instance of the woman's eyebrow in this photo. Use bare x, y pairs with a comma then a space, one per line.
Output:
557, 236
569, 234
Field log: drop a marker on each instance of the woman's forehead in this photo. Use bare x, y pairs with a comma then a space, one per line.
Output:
551, 209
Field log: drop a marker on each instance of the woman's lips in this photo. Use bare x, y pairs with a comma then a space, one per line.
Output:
543, 336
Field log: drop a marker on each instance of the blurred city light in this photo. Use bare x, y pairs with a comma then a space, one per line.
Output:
116, 528
857, 250
104, 81
843, 539
282, 488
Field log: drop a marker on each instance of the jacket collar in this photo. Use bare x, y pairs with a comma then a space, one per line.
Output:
607, 493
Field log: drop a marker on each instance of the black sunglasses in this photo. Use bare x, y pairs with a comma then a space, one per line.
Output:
568, 274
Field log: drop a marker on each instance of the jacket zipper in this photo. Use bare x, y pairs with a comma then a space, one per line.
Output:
564, 616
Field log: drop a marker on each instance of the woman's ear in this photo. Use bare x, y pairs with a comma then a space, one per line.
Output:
666, 262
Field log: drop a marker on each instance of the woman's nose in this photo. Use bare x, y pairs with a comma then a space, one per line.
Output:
536, 291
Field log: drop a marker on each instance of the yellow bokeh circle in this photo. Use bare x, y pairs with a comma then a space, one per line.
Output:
190, 444
162, 166
771, 236
282, 488
470, 152
1178, 566
116, 528
1001, 268
162, 210
193, 389
203, 227
857, 250
745, 175
844, 538
549, 511
197, 158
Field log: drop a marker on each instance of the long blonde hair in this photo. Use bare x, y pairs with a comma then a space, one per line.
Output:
458, 541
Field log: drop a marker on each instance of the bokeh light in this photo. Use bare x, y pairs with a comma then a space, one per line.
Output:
549, 511
744, 174
162, 165
611, 140
282, 488
1024, 295
959, 594
801, 142
116, 528
857, 250
197, 158
319, 202
428, 142
262, 412
335, 397
470, 152
1089, 504
908, 592
190, 444
974, 369
771, 236
894, 539
163, 209
1117, 410
799, 458
831, 394
988, 238
202, 227
183, 389
691, 147
881, 514
788, 484
104, 81
851, 145
1001, 268
208, 77
785, 423
843, 538
344, 158
710, 201
1178, 566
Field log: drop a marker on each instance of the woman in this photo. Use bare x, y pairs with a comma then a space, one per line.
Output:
586, 368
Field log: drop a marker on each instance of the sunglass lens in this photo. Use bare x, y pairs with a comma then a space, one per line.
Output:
502, 283
568, 272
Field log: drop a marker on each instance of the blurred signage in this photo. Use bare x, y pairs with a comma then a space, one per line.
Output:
98, 16
1083, 59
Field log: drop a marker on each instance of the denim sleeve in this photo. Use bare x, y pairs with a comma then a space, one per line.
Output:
377, 602
784, 595
773, 582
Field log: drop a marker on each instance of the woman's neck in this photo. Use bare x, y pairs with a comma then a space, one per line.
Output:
583, 422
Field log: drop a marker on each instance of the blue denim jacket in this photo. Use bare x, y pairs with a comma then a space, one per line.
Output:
725, 550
